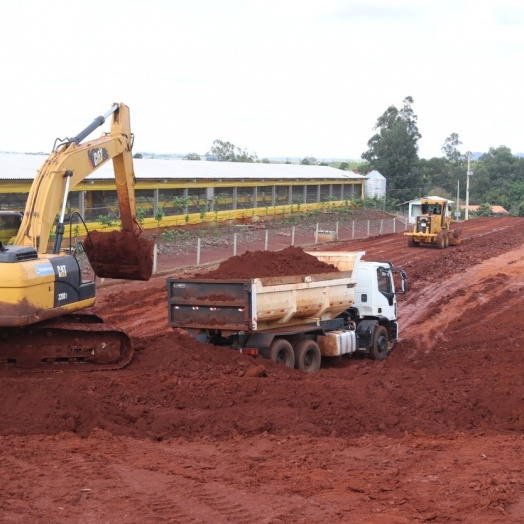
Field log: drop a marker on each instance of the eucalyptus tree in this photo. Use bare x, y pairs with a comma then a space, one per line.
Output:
393, 151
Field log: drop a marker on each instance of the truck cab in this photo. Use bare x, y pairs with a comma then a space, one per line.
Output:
375, 290
375, 306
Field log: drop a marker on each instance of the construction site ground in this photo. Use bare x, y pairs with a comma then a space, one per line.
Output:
193, 433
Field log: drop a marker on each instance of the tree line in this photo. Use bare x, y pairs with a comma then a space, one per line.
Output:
393, 151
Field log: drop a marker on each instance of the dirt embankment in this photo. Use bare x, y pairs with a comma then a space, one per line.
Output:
184, 434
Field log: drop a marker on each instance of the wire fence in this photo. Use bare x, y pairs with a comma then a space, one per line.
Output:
177, 249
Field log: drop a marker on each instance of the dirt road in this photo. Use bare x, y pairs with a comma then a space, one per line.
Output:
432, 434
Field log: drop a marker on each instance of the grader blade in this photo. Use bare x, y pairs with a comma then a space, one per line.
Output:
455, 238
120, 254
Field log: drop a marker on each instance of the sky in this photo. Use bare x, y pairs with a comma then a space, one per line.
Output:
286, 78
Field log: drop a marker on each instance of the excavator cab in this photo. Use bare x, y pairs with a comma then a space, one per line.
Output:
9, 224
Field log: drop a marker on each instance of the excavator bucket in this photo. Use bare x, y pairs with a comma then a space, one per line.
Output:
120, 254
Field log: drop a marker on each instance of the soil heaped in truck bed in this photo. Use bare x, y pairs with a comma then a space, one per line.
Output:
261, 264
120, 254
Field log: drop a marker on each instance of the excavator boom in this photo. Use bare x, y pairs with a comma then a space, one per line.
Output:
68, 165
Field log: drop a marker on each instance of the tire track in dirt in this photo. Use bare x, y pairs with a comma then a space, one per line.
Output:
427, 320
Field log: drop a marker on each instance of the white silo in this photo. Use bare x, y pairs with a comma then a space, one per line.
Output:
375, 185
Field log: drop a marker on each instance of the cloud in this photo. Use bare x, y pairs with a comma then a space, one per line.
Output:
381, 11
509, 15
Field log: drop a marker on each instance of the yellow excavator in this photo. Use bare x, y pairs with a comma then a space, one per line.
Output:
43, 295
433, 225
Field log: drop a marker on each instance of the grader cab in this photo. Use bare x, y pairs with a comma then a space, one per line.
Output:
433, 225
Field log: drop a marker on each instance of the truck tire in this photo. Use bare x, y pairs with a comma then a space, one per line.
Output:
412, 242
281, 352
307, 356
380, 346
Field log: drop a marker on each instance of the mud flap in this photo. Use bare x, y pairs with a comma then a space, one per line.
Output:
120, 254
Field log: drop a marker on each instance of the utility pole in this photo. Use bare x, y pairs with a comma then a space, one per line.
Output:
457, 210
469, 154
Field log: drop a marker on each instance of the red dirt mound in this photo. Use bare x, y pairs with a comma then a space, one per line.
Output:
260, 264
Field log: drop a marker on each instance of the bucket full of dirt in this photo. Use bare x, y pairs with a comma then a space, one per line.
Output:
120, 254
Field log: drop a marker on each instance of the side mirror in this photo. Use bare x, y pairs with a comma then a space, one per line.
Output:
403, 280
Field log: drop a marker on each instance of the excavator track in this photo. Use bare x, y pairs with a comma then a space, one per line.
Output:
77, 343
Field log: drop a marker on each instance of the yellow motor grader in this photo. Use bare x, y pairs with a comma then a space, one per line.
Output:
433, 225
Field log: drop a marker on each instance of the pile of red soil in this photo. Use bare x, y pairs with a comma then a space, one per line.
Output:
260, 264
120, 254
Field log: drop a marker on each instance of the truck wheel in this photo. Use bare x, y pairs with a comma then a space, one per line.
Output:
307, 356
281, 352
412, 242
380, 345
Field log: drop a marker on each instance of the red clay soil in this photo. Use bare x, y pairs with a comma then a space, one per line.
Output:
120, 254
260, 264
194, 433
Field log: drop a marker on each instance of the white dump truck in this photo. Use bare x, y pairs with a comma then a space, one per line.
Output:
295, 320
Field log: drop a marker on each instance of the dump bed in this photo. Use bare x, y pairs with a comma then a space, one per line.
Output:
261, 303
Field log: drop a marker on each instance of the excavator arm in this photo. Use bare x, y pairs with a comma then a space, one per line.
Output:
69, 164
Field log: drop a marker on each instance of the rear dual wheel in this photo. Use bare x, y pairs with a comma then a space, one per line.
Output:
307, 356
281, 352
304, 356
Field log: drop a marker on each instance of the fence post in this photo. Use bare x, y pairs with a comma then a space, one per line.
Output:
394, 225
368, 228
316, 234
198, 251
267, 240
381, 226
293, 236
234, 244
352, 230
155, 257
336, 231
